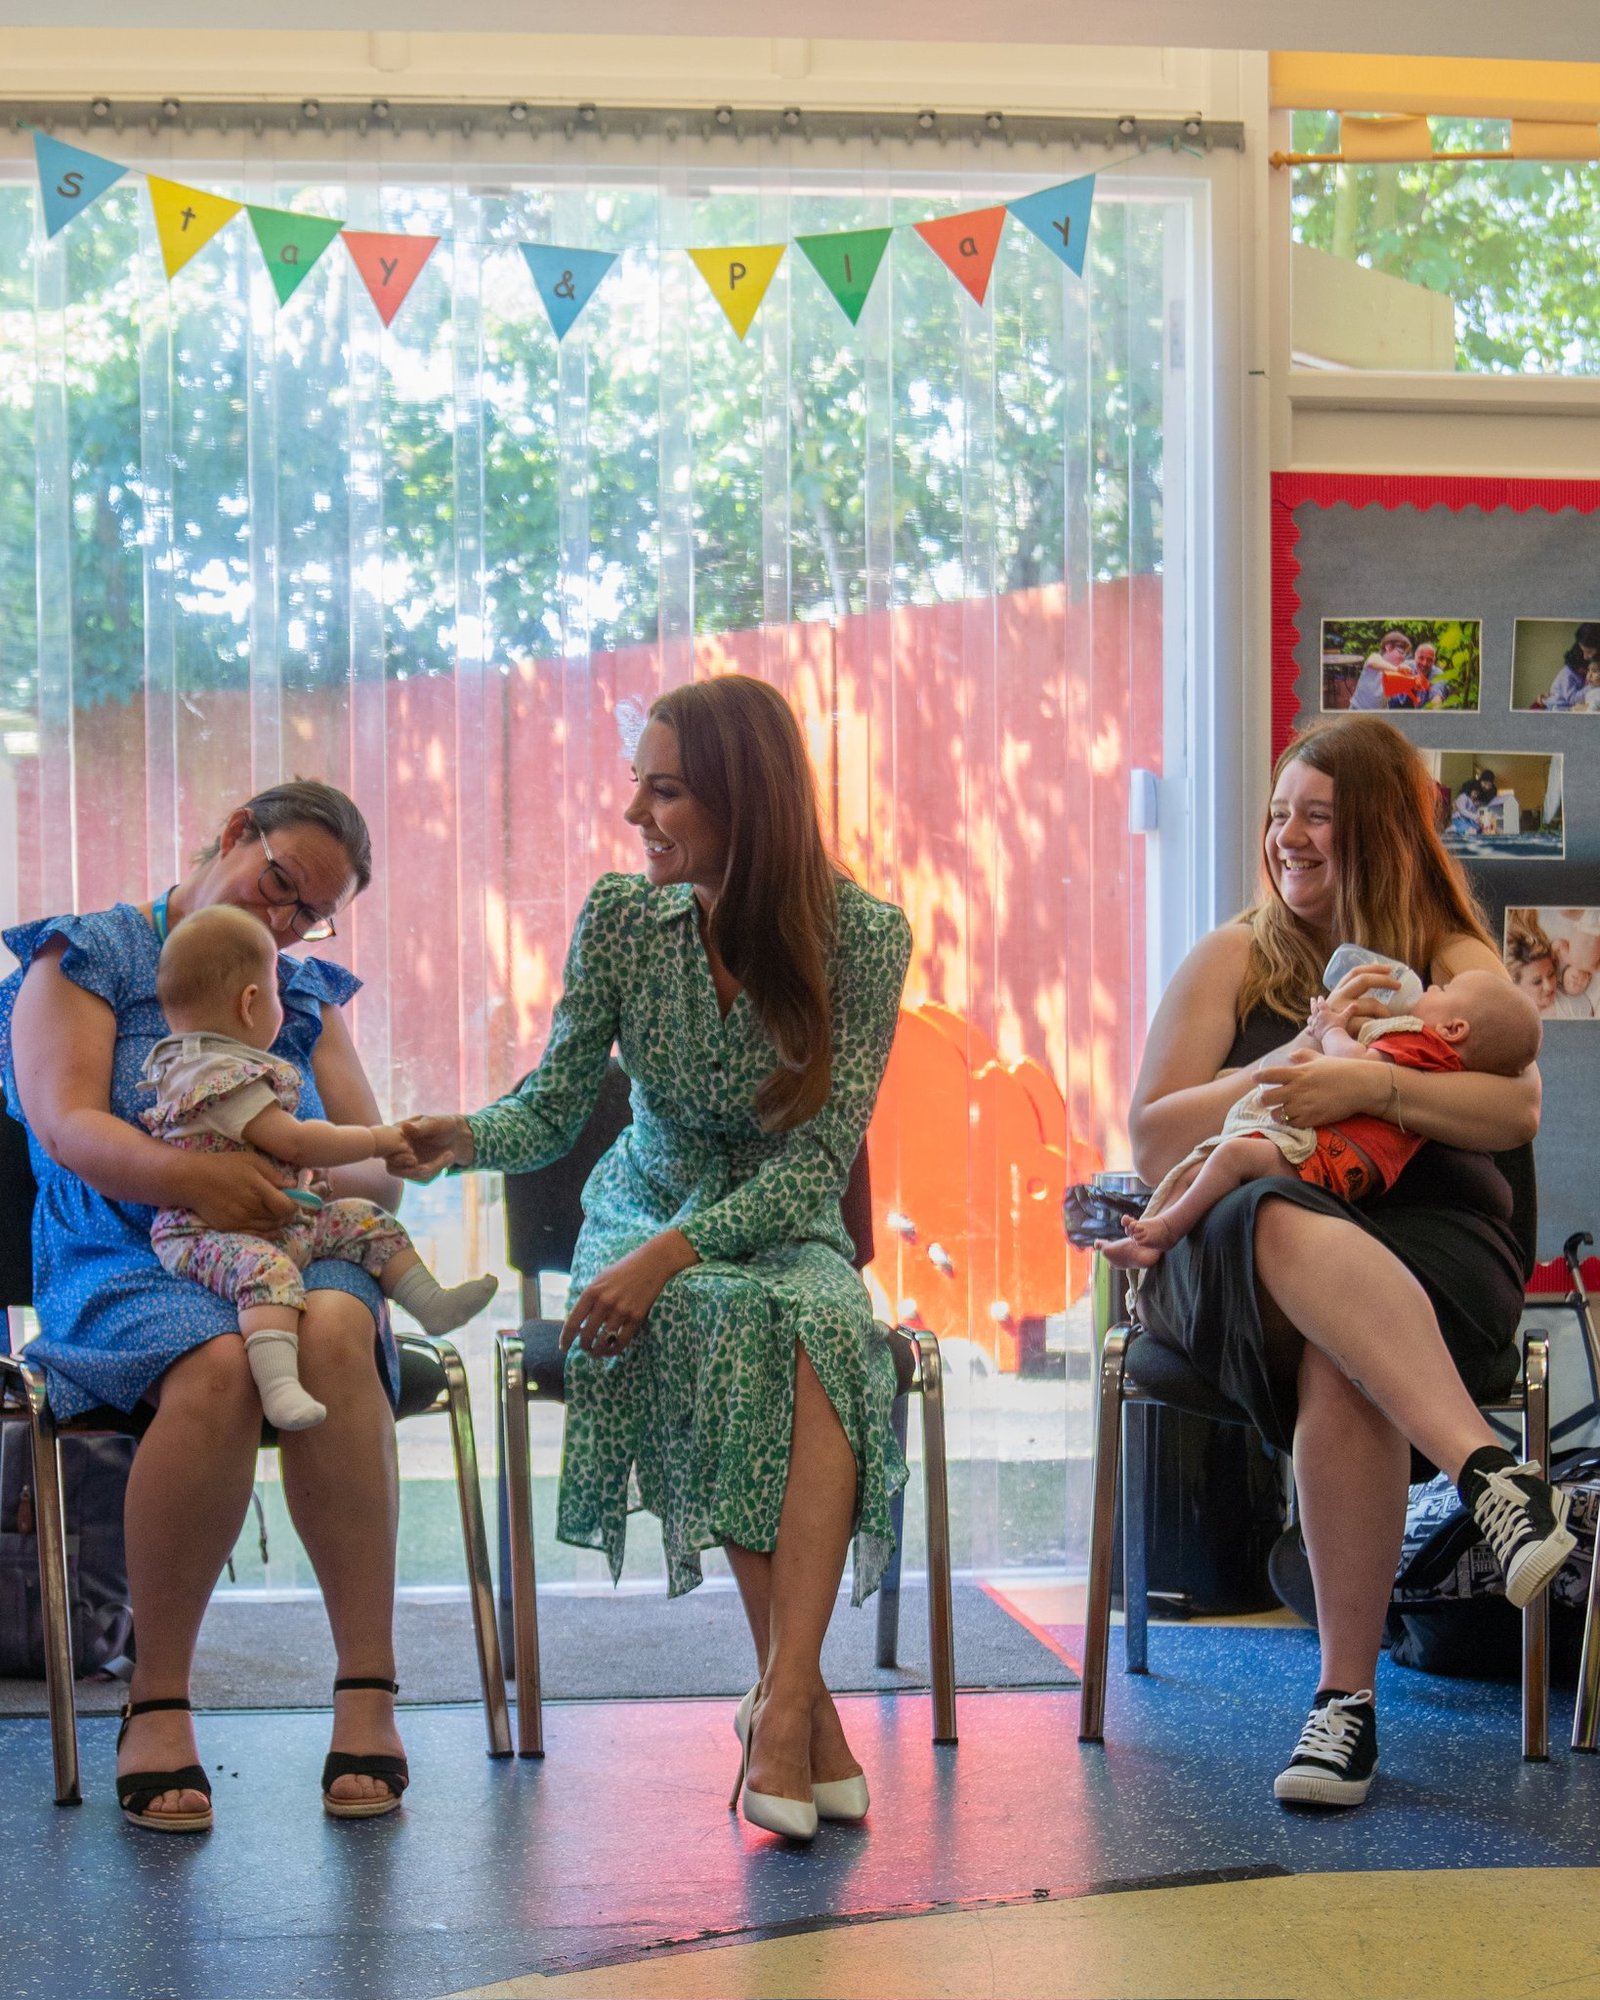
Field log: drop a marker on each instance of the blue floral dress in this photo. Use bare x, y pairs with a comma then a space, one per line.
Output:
699, 1407
111, 1320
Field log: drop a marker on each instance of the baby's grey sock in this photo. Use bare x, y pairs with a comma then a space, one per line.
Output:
441, 1308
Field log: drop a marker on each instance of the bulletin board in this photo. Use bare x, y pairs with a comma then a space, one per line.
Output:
1498, 577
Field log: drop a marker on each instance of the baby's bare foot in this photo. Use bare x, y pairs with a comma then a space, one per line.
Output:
1125, 1254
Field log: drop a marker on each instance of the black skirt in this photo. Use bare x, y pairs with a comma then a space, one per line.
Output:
1449, 1220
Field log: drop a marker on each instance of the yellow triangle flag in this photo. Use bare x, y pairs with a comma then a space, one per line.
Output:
186, 220
739, 278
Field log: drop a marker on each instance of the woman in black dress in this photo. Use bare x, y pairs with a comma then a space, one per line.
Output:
1349, 1334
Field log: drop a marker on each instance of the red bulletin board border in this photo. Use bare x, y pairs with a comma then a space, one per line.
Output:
1291, 490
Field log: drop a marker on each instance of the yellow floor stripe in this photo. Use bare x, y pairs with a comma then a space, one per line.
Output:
1452, 1935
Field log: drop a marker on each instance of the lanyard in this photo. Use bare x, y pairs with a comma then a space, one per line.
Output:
158, 913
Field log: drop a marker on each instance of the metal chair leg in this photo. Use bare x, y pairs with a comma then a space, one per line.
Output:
516, 1467
936, 1488
480, 1579
1135, 1539
1102, 1526
1536, 1616
889, 1588
55, 1602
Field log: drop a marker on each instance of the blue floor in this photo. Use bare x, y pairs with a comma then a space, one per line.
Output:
619, 1843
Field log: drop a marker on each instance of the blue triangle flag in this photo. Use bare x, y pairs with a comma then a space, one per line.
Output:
70, 179
566, 279
1059, 216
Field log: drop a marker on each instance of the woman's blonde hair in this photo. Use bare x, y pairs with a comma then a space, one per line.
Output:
1396, 889
776, 914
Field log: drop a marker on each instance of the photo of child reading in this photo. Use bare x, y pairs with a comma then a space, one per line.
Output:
1476, 1022
1554, 955
1555, 666
1499, 805
1401, 663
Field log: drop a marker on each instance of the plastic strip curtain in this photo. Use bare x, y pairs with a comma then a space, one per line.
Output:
448, 564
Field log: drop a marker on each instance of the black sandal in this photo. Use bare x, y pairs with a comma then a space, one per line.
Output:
391, 1771
137, 1789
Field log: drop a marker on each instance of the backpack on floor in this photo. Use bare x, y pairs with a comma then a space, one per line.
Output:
1449, 1613
94, 1481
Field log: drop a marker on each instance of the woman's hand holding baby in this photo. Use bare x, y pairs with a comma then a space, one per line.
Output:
240, 1192
1311, 1089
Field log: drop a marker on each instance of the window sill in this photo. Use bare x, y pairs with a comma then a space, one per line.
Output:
1505, 395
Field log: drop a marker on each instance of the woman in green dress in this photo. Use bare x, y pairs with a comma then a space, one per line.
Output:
721, 1345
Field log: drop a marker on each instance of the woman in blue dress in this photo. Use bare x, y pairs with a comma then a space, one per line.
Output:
115, 1329
725, 1357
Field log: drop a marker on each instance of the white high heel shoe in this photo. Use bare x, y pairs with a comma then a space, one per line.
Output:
841, 1798
794, 1819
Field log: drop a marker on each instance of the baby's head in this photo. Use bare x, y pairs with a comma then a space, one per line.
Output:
1575, 979
1531, 961
1491, 1023
219, 974
1592, 673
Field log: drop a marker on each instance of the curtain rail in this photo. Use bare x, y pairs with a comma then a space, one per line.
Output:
368, 116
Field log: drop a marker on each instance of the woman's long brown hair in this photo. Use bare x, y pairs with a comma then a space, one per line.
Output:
1396, 888
776, 914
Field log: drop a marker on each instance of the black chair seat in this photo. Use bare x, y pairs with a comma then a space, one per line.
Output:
1166, 1376
544, 1366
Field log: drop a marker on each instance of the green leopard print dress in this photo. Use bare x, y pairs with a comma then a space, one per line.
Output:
699, 1406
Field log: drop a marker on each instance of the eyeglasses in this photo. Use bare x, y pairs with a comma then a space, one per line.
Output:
279, 893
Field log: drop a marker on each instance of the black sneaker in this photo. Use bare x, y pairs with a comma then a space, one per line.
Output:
1523, 1519
1337, 1755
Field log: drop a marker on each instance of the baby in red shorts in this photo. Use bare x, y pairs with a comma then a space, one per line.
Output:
1477, 1021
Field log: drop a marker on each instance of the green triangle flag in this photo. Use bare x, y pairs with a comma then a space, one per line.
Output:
847, 263
290, 245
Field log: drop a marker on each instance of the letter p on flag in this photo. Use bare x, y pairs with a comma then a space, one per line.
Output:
739, 277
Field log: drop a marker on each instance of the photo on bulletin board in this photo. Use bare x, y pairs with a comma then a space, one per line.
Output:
1500, 805
1401, 663
1554, 956
1555, 665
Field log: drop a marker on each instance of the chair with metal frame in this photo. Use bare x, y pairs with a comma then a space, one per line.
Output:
543, 1217
431, 1379
1137, 1371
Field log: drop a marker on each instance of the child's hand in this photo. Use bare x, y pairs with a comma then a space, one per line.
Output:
1324, 1018
390, 1144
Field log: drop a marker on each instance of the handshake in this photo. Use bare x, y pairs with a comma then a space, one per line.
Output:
418, 1149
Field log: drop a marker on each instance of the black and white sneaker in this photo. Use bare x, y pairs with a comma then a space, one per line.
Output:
1523, 1519
1337, 1756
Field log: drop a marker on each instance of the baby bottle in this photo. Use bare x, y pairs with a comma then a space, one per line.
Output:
1349, 956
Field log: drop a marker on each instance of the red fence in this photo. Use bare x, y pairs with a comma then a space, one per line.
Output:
972, 760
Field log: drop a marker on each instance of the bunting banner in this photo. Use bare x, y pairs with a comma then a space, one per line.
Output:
186, 220
389, 264
565, 279
290, 245
1059, 217
966, 245
847, 263
739, 278
70, 179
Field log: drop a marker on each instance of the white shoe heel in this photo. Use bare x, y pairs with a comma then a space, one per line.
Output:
794, 1819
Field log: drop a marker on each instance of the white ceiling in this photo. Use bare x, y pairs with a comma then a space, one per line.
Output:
1562, 29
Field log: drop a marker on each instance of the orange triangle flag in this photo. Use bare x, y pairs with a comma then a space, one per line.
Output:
186, 220
966, 245
389, 265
